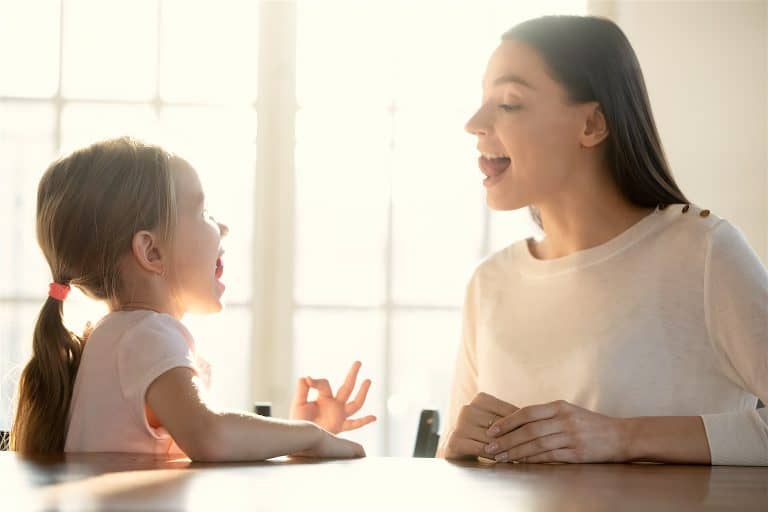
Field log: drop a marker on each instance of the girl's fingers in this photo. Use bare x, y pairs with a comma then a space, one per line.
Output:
530, 449
345, 391
322, 387
357, 423
357, 404
302, 392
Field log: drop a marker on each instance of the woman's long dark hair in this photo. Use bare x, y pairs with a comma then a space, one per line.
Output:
593, 60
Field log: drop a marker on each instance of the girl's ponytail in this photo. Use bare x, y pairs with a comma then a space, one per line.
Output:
46, 384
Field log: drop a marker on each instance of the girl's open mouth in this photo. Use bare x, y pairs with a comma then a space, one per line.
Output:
218, 273
219, 268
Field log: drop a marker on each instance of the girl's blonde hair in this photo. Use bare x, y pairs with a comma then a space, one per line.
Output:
89, 205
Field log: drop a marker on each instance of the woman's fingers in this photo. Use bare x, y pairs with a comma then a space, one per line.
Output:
561, 455
357, 404
524, 434
345, 391
462, 448
526, 415
473, 432
531, 448
357, 423
470, 436
491, 404
476, 416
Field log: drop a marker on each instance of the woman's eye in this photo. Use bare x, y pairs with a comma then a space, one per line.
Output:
207, 215
509, 108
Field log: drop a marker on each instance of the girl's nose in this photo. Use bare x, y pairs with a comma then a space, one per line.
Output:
223, 229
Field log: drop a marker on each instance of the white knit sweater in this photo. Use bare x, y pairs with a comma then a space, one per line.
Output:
668, 318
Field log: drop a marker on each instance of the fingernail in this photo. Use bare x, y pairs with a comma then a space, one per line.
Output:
494, 431
491, 447
502, 457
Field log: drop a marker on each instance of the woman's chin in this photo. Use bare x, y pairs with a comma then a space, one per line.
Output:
500, 202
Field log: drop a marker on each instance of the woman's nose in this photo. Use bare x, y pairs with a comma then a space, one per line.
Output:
474, 126
223, 229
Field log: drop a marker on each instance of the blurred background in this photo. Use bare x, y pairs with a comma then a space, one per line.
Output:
329, 137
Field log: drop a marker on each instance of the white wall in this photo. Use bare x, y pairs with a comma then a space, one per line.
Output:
706, 68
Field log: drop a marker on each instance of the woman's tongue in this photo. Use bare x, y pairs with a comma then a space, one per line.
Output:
494, 166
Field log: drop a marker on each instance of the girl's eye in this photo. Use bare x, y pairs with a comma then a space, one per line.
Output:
207, 215
510, 108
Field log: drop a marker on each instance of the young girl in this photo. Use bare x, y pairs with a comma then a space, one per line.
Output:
126, 223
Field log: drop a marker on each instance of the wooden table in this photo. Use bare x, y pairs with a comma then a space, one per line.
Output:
121, 481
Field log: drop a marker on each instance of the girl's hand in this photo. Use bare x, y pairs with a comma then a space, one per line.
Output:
469, 438
557, 432
329, 411
331, 447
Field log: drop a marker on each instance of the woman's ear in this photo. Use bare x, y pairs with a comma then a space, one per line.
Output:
147, 252
595, 126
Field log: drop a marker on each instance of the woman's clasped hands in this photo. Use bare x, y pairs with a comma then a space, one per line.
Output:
556, 431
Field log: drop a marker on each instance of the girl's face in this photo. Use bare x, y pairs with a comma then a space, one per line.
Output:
196, 265
527, 132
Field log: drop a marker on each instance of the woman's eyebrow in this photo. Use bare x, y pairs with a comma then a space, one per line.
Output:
513, 78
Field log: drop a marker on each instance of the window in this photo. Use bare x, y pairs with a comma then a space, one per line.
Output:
76, 71
389, 209
379, 224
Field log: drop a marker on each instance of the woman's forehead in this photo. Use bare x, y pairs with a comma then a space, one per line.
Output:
518, 63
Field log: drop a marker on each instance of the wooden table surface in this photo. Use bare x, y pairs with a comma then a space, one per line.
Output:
137, 482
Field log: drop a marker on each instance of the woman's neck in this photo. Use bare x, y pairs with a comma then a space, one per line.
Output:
575, 222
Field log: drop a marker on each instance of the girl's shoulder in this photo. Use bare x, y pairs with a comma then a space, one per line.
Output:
141, 327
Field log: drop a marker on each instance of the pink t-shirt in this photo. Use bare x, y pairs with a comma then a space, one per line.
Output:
125, 353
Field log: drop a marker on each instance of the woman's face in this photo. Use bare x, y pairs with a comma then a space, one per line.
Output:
527, 132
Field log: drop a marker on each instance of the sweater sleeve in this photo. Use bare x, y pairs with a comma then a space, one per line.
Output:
465, 385
736, 305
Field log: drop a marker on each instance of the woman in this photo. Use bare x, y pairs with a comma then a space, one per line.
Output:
637, 328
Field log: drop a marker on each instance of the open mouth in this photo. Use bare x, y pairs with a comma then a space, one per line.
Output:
219, 268
219, 272
493, 166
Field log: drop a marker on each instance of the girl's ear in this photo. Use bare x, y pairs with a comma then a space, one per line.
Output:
595, 126
147, 252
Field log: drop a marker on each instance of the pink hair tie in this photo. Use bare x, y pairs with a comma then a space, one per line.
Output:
58, 291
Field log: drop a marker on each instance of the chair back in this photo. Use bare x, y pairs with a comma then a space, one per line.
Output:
427, 435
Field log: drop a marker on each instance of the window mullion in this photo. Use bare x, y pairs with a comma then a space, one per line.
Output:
272, 304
